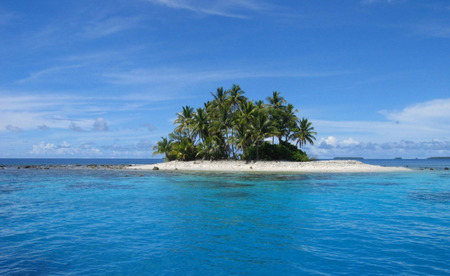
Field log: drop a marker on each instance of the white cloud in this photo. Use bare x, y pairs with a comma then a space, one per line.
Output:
332, 141
64, 149
13, 128
436, 111
31, 111
141, 149
420, 122
350, 141
100, 125
43, 127
419, 130
332, 147
73, 126
45, 149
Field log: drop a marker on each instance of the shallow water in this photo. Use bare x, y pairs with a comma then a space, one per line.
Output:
114, 222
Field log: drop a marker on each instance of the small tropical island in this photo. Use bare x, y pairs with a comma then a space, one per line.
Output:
233, 127
233, 133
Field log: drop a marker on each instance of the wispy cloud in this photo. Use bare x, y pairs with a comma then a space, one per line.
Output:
13, 128
143, 76
31, 111
108, 26
423, 121
43, 127
419, 130
226, 8
430, 112
381, 1
6, 17
149, 127
47, 72
73, 126
76, 29
433, 30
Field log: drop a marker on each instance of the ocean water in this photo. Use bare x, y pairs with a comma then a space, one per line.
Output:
71, 161
84, 222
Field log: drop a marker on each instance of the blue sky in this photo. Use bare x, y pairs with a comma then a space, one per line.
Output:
105, 79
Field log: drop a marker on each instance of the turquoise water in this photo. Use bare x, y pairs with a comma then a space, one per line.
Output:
82, 222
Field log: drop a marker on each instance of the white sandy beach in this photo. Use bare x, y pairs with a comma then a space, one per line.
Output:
333, 166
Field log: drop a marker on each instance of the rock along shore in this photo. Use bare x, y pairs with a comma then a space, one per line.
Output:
332, 166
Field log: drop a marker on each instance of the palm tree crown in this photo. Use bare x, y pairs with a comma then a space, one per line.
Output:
304, 133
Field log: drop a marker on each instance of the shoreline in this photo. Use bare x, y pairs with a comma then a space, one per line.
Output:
329, 166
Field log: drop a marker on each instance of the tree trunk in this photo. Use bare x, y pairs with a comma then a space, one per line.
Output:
257, 151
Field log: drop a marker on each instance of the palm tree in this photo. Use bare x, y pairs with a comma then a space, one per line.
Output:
219, 101
260, 105
276, 101
288, 121
184, 150
231, 124
200, 124
236, 98
246, 112
176, 136
261, 127
184, 120
304, 133
234, 102
241, 136
220, 126
275, 112
163, 147
209, 149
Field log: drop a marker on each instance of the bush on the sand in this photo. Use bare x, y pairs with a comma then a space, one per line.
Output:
183, 151
283, 151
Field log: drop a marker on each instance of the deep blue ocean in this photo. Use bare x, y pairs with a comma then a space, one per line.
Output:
95, 222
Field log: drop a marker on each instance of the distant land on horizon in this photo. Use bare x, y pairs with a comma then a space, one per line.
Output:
441, 157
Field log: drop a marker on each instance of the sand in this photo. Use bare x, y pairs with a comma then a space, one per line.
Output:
333, 166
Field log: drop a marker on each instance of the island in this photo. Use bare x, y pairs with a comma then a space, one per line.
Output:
233, 127
233, 133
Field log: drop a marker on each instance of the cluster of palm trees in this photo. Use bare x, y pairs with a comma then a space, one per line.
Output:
229, 125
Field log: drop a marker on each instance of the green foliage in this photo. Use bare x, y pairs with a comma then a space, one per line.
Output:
231, 125
210, 150
283, 151
163, 147
184, 150
304, 133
